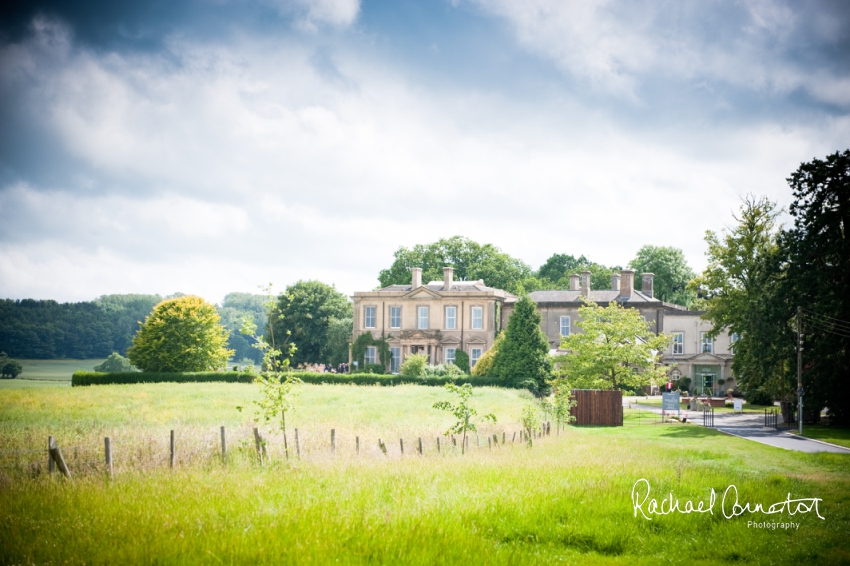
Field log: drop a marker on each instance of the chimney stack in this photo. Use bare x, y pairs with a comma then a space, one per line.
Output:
574, 282
615, 282
627, 282
647, 283
585, 283
448, 278
417, 277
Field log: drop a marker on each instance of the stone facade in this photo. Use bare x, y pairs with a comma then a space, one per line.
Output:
438, 318
435, 319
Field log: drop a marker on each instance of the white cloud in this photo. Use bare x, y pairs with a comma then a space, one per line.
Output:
242, 164
311, 14
617, 47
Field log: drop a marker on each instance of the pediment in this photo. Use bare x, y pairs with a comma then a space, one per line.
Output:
422, 293
476, 340
450, 340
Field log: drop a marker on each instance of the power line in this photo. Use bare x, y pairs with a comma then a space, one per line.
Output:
831, 319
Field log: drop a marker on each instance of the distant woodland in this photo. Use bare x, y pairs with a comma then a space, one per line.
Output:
46, 329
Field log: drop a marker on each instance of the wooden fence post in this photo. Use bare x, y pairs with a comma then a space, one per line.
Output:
297, 444
107, 450
357, 441
503, 437
438, 446
382, 446
333, 440
56, 454
173, 453
51, 466
514, 438
420, 445
223, 446
401, 445
259, 445
489, 443
496, 439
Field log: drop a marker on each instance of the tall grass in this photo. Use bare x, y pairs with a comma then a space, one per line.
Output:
567, 500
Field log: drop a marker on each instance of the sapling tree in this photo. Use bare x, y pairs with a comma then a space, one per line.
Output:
530, 419
562, 403
276, 381
464, 414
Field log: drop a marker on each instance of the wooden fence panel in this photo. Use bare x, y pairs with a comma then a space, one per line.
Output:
598, 407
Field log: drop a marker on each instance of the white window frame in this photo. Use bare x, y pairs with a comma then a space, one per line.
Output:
420, 319
452, 318
706, 347
451, 355
678, 343
561, 325
476, 323
371, 356
395, 317
374, 317
474, 356
395, 360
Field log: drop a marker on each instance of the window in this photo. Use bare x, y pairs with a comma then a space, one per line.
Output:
475, 353
395, 358
371, 354
395, 317
707, 343
565, 326
451, 318
734, 337
422, 317
477, 318
450, 355
678, 342
369, 317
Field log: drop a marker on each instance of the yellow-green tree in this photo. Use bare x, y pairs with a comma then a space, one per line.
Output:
181, 334
616, 349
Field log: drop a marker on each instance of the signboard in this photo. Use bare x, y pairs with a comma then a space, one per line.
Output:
670, 401
739, 405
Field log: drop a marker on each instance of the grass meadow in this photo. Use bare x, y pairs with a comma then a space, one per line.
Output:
47, 373
566, 500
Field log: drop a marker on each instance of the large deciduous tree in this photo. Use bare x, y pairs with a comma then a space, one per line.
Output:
555, 273
308, 311
741, 287
818, 251
471, 261
672, 273
523, 354
181, 334
616, 349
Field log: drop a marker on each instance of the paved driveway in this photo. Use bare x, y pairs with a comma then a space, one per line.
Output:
751, 426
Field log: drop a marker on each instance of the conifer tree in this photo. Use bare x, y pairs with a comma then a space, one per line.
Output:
523, 357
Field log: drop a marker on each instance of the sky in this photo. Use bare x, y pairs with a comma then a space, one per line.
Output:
211, 146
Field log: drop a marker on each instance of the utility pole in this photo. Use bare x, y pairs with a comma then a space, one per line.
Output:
800, 370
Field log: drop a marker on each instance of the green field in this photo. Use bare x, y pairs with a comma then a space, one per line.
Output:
832, 434
47, 373
566, 500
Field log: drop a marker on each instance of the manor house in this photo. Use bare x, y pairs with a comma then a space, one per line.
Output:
440, 317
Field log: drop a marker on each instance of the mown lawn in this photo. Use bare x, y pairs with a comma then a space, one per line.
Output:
832, 434
47, 373
566, 500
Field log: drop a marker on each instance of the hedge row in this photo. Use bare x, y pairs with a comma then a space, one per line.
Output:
100, 378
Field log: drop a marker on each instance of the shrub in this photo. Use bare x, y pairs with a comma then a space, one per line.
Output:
758, 397
462, 361
484, 365
115, 363
443, 370
414, 366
